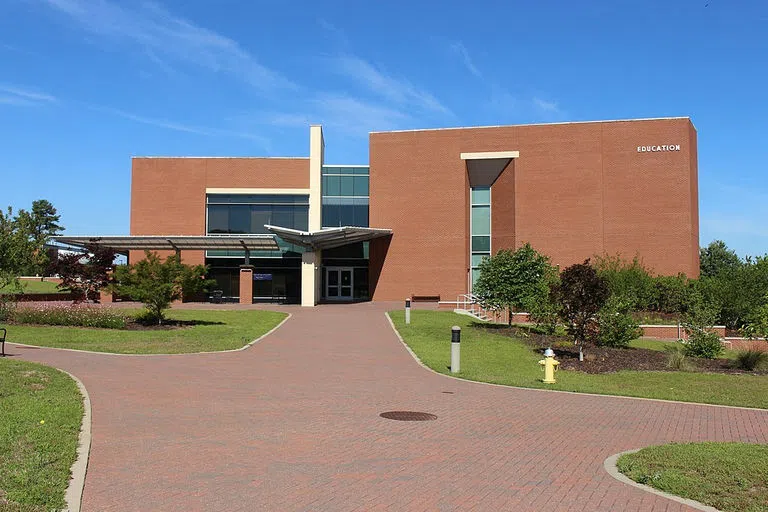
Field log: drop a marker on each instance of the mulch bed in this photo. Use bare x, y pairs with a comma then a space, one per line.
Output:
607, 360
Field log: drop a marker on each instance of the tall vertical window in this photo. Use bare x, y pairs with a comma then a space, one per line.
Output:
345, 196
480, 225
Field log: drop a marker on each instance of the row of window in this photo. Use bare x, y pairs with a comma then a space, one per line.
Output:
331, 169
345, 186
257, 199
244, 219
345, 211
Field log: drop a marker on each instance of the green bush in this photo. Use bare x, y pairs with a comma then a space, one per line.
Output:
751, 359
616, 326
669, 294
702, 343
80, 315
628, 280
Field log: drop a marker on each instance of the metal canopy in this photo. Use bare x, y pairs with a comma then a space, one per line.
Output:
328, 238
484, 169
175, 242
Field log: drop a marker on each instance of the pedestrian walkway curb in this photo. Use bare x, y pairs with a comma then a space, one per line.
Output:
613, 470
74, 493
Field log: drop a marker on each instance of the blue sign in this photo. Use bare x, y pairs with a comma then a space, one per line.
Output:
262, 277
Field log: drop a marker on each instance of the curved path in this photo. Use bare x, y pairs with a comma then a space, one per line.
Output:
293, 424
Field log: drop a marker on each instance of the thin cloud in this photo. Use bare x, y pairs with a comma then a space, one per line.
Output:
549, 107
397, 90
182, 127
161, 35
459, 48
19, 96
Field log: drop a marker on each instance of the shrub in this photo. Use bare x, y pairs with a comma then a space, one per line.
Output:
629, 280
516, 281
751, 359
157, 283
80, 315
669, 294
616, 326
757, 327
677, 360
702, 343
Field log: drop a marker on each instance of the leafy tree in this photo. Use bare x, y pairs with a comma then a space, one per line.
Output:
581, 294
517, 281
23, 237
757, 326
85, 274
669, 294
716, 259
156, 283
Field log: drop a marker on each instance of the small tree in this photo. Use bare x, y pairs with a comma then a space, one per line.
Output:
516, 281
616, 325
717, 259
156, 283
85, 274
581, 294
698, 323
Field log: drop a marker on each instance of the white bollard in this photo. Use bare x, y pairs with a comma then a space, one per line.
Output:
455, 349
407, 311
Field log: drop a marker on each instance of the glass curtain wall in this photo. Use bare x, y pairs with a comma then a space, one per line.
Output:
480, 225
277, 274
345, 198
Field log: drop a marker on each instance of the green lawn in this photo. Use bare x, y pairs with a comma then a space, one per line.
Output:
221, 330
36, 286
727, 476
35, 457
489, 357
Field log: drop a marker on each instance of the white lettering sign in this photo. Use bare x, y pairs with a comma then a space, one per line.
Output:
662, 147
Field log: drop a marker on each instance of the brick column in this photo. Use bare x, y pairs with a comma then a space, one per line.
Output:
246, 284
105, 297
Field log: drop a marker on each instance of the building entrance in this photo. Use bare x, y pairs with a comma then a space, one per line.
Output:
339, 283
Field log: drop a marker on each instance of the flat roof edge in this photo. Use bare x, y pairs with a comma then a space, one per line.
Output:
228, 157
537, 124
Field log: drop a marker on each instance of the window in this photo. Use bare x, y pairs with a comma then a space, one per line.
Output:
232, 214
345, 196
480, 222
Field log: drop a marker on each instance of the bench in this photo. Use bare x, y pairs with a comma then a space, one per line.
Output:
425, 298
2, 341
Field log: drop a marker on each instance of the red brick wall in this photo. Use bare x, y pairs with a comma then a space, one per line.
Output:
168, 194
577, 190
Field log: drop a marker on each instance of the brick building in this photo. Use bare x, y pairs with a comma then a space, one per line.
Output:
417, 220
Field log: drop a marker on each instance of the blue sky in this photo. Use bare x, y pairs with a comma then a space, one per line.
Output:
86, 84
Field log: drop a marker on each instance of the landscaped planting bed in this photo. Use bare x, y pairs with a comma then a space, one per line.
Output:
184, 331
488, 356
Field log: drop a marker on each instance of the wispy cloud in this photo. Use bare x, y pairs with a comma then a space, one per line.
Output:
399, 91
182, 127
163, 36
23, 97
461, 50
350, 116
547, 107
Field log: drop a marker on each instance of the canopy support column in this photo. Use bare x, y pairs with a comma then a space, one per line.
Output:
310, 278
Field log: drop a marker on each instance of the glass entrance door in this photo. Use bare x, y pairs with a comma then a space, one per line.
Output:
338, 283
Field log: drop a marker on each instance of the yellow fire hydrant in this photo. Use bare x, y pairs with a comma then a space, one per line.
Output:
549, 365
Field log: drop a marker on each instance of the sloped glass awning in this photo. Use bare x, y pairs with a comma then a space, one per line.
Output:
328, 238
175, 242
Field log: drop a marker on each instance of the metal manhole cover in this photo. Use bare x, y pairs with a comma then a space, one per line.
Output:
408, 416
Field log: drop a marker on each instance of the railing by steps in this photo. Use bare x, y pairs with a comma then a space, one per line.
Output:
469, 304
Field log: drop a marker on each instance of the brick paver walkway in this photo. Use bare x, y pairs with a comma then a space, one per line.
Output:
293, 424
